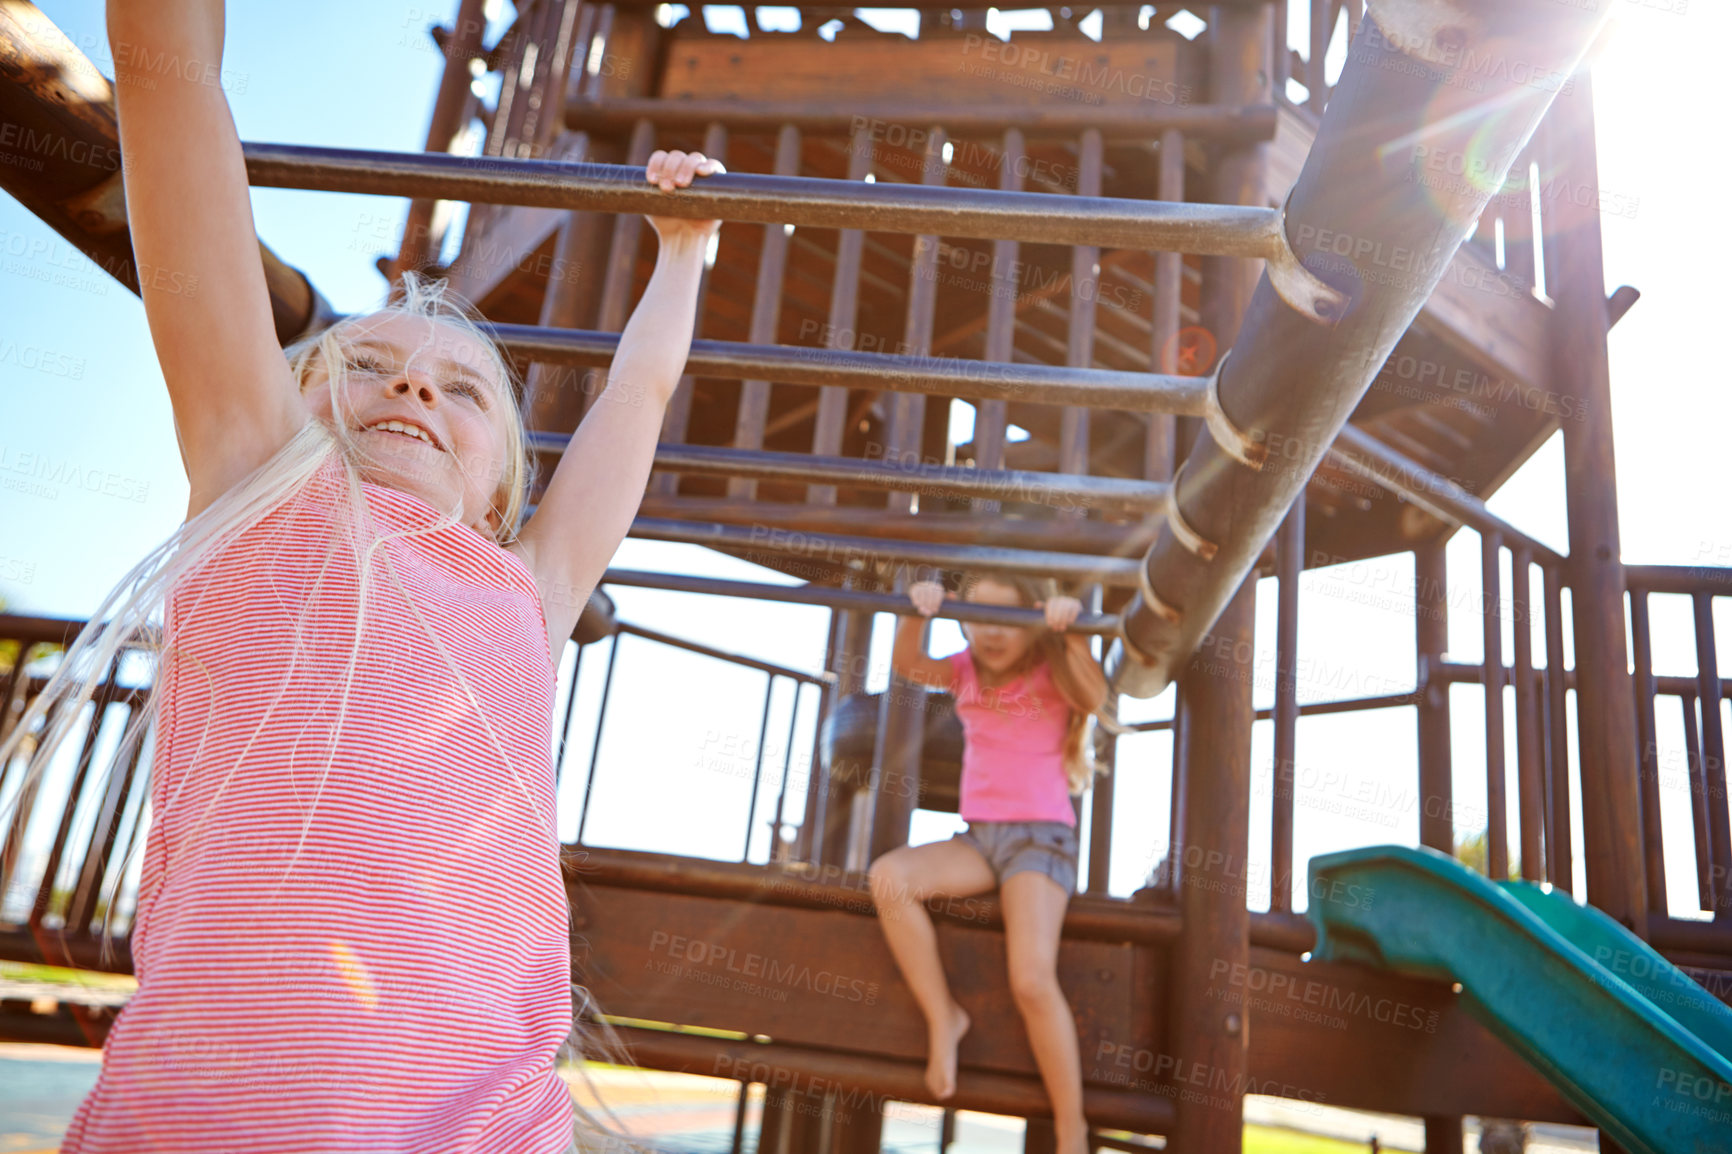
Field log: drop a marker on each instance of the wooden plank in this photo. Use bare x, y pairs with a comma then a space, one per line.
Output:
1332, 1034
1353, 1037
824, 977
940, 70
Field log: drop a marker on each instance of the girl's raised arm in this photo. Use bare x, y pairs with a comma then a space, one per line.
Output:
908, 655
195, 244
596, 489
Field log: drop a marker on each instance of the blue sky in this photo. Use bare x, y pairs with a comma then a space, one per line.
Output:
364, 75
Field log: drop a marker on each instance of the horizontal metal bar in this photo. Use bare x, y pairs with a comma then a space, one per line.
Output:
1363, 455
916, 476
732, 658
1686, 579
850, 599
1307, 709
984, 214
858, 552
882, 372
1665, 684
1141, 122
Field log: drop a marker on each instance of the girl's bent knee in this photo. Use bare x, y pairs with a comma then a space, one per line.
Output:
888, 880
1034, 988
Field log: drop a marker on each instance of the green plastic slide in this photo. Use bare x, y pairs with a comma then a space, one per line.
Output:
1628, 1039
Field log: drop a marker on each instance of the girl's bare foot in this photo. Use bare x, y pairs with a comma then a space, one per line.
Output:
943, 1038
1072, 1137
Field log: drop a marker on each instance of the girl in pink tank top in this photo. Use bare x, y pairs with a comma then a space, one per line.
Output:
351, 930
1024, 699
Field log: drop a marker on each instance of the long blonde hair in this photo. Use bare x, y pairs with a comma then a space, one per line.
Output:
134, 615
1085, 690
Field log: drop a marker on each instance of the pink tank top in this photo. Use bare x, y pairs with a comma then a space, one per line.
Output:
404, 983
1013, 746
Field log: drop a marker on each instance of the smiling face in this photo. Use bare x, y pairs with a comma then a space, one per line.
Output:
427, 408
998, 648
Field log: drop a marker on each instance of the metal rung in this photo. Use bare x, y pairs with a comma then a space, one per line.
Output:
931, 375
858, 552
929, 210
926, 479
850, 599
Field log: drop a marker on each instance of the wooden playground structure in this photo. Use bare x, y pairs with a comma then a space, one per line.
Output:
1250, 322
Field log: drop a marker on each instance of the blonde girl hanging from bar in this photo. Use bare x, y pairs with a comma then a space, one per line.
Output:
352, 930
1025, 697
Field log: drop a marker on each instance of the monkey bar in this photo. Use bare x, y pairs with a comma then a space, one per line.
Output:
981, 214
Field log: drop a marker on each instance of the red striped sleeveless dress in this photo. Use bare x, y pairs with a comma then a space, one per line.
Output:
402, 982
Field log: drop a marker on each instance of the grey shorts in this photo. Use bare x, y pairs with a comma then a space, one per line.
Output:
1011, 847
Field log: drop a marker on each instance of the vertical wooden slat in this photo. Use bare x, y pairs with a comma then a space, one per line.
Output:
787, 765
1074, 458
677, 417
1324, 13
1073, 441
766, 317
558, 40
907, 411
1527, 701
1713, 753
106, 691
1560, 836
827, 431
758, 766
1653, 848
991, 418
1283, 55
88, 893
1698, 805
1515, 207
1290, 563
1431, 638
461, 46
595, 747
1101, 808
1159, 454
627, 231
902, 713
1497, 818
1106, 750
508, 108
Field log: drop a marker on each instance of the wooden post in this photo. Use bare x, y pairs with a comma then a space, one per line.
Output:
1431, 637
1605, 705
1207, 1032
1443, 1134
1290, 563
